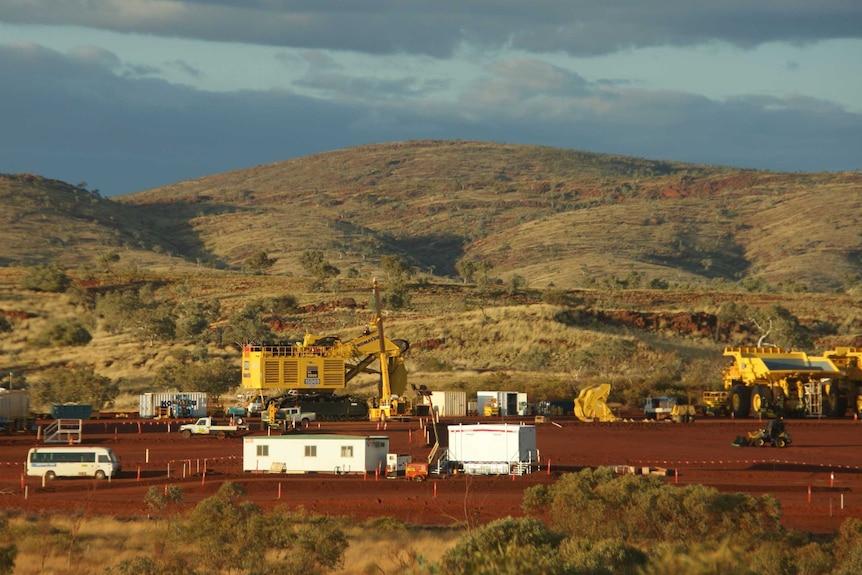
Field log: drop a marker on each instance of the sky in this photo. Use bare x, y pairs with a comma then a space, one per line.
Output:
126, 95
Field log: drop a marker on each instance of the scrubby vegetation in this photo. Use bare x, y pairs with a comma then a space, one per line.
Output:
588, 523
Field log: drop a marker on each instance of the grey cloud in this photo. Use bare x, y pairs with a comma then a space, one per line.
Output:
437, 28
76, 120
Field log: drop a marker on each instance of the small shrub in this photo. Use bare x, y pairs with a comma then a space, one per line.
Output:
47, 279
61, 333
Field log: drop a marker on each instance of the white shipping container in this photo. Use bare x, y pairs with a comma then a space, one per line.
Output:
315, 454
173, 404
14, 404
449, 403
493, 443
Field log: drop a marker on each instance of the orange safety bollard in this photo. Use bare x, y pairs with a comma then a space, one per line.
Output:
22, 481
204, 477
410, 435
435, 489
139, 427
279, 490
139, 473
809, 494
549, 467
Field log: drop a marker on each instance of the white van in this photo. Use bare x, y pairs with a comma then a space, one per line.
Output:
53, 462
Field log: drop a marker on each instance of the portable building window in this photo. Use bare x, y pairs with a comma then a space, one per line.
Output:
346, 451
311, 451
263, 450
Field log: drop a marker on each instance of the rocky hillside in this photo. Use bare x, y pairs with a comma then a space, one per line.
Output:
552, 217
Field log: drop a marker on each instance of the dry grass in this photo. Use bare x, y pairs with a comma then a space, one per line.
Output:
43, 543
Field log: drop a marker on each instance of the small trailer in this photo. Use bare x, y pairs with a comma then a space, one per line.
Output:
317, 453
493, 449
205, 426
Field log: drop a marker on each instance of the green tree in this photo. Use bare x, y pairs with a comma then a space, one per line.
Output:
466, 269
63, 332
156, 323
214, 377
46, 278
317, 266
778, 326
247, 326
107, 260
260, 262
74, 385
595, 505
227, 530
5, 326
506, 546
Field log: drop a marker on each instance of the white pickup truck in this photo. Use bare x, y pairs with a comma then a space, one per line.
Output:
290, 417
204, 426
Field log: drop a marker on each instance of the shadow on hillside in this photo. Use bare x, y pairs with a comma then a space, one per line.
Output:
437, 252
172, 222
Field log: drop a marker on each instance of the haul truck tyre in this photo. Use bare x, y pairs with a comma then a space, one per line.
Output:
761, 398
837, 403
740, 401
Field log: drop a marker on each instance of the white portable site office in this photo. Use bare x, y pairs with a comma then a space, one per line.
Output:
495, 448
501, 403
316, 453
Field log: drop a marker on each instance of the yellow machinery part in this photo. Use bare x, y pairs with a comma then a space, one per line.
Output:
591, 403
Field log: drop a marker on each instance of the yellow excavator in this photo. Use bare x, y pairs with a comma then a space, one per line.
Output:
591, 403
327, 364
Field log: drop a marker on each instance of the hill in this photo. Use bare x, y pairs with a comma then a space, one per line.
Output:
628, 270
552, 217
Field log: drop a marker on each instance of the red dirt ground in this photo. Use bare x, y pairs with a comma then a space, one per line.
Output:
812, 477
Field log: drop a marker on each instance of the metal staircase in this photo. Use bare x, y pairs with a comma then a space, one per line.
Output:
64, 431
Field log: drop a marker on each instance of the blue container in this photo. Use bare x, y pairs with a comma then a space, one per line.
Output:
71, 411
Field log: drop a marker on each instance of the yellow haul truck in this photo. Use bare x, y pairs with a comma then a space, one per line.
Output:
773, 382
327, 364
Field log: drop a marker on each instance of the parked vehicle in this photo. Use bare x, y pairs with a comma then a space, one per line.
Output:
294, 416
660, 407
205, 426
774, 434
53, 462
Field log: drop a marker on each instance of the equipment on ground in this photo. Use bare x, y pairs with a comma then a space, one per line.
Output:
326, 364
773, 434
774, 382
848, 360
659, 407
332, 407
205, 426
591, 403
290, 417
416, 471
715, 402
